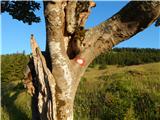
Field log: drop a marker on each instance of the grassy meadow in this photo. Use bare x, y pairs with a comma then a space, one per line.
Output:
119, 93
106, 92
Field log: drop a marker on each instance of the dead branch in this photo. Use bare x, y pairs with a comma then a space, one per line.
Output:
46, 80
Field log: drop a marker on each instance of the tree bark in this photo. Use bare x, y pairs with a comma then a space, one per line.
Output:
70, 49
130, 20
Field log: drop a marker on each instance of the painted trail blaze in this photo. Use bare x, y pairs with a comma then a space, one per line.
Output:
80, 61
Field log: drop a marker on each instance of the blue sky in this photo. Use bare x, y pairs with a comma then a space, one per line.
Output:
15, 35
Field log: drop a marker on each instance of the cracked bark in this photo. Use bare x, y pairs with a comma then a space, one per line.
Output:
130, 20
56, 81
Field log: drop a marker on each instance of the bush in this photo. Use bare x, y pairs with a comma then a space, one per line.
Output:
102, 67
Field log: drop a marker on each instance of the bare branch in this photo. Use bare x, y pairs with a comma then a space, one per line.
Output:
46, 96
71, 16
133, 18
61, 66
83, 10
55, 22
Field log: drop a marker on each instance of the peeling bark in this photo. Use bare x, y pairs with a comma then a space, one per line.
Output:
61, 68
120, 27
132, 19
70, 16
55, 82
46, 85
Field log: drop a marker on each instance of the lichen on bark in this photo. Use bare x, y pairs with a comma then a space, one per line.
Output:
56, 87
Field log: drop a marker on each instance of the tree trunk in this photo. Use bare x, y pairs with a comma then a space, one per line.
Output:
70, 49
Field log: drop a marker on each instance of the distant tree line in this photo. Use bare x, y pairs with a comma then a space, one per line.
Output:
128, 56
14, 64
111, 100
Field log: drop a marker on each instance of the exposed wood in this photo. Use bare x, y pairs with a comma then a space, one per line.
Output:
81, 13
46, 97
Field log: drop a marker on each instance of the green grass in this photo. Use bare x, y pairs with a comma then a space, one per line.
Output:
119, 93
112, 93
15, 102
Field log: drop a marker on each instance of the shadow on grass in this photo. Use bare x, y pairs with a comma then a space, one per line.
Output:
14, 112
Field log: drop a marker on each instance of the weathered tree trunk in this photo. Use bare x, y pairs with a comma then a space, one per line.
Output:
70, 49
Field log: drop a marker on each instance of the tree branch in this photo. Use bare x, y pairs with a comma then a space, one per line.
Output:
61, 66
76, 19
71, 16
46, 81
133, 18
77, 13
55, 22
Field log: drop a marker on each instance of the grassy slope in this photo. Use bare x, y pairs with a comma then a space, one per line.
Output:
15, 102
140, 77
129, 93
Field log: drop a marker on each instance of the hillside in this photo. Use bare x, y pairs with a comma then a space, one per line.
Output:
110, 89
120, 93
123, 93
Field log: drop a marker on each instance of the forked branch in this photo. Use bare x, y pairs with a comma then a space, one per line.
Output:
133, 18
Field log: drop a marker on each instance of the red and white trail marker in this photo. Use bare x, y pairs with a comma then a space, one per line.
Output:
80, 61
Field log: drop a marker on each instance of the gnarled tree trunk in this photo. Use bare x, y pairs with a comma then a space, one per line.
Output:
70, 48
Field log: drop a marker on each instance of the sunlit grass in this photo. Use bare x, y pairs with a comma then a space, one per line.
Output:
129, 93
112, 93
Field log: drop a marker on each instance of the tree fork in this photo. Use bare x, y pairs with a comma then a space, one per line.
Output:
56, 88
